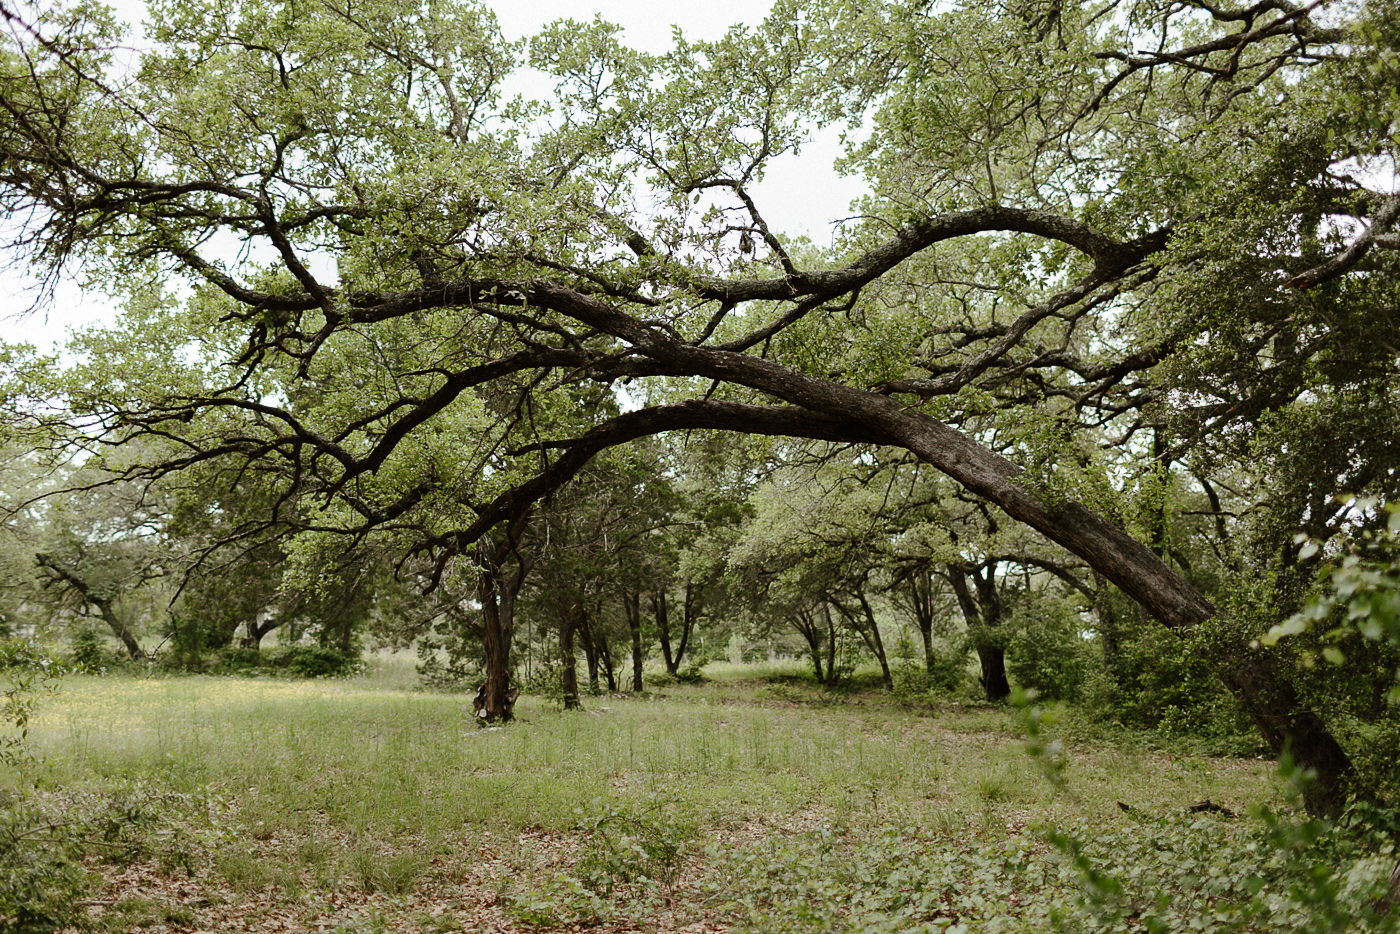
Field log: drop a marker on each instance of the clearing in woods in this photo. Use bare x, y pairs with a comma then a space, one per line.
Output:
359, 806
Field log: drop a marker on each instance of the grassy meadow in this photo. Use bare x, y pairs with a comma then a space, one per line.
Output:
738, 804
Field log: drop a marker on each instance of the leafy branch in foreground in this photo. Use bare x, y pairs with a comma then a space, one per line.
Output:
28, 673
1360, 594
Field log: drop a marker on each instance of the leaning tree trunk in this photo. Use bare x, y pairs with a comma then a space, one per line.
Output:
869, 631
1288, 726
878, 643
663, 630
93, 597
884, 419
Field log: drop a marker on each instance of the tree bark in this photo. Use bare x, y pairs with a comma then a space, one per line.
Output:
994, 681
1290, 727
632, 601
663, 629
569, 657
983, 616
497, 589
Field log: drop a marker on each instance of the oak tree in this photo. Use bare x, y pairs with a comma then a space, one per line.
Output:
351, 263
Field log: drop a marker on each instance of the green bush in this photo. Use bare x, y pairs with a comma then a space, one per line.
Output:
314, 661
625, 844
238, 661
1046, 648
41, 869
1146, 677
694, 671
86, 651
659, 679
46, 840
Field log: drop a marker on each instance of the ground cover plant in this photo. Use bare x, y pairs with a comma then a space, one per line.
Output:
355, 805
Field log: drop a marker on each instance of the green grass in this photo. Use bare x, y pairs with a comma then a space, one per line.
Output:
358, 786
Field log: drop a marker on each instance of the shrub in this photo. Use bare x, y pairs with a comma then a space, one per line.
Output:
45, 840
86, 651
41, 869
239, 661
1046, 648
313, 661
626, 844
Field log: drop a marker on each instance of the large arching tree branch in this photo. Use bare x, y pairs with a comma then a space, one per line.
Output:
1121, 558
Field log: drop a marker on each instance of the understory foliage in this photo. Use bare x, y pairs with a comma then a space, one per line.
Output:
1348, 637
47, 836
54, 846
1155, 874
652, 809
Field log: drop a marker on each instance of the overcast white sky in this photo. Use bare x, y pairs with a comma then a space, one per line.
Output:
801, 194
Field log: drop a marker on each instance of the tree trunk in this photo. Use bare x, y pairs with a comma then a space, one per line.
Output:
497, 589
1288, 726
105, 608
920, 584
256, 631
590, 651
605, 656
994, 681
805, 622
983, 617
663, 629
830, 624
569, 674
690, 615
878, 641
495, 643
869, 633
633, 603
